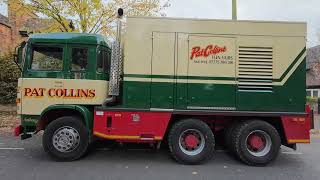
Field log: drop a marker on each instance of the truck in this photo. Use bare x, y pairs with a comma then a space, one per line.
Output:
184, 83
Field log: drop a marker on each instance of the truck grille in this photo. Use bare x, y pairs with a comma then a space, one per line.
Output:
255, 69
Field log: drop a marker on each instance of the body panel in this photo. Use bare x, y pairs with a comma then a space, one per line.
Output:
130, 125
40, 93
208, 57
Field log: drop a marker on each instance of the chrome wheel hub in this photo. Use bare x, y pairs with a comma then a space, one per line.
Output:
258, 143
191, 142
65, 139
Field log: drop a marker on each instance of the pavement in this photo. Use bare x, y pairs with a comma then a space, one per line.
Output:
27, 160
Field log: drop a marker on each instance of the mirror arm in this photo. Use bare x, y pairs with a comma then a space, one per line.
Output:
15, 56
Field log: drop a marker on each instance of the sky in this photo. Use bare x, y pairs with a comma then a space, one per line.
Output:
278, 10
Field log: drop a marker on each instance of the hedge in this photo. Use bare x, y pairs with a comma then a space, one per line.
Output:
9, 74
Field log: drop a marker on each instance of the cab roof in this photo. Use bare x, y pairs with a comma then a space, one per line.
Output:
69, 38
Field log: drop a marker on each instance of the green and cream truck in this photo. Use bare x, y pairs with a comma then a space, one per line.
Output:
172, 80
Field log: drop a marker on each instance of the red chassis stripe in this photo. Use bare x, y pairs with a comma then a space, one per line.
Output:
139, 126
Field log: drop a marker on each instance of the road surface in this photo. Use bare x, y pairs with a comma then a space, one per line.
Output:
26, 160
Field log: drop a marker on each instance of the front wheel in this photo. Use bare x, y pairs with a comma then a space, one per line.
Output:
191, 141
66, 139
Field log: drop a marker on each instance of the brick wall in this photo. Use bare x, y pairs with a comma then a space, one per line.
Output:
18, 18
5, 38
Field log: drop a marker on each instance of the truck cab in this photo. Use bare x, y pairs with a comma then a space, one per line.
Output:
60, 69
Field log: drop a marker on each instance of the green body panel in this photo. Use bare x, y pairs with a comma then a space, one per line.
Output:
211, 95
181, 98
84, 111
290, 97
177, 96
162, 95
136, 94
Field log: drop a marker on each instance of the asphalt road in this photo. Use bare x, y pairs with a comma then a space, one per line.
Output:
26, 160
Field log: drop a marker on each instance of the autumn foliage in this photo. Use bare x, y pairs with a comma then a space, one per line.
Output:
89, 16
9, 75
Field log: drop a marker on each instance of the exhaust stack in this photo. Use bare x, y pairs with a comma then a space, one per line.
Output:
116, 64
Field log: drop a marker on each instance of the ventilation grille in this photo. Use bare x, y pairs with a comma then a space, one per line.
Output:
255, 69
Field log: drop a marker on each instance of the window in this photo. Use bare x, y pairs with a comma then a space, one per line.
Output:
100, 61
315, 93
79, 59
47, 58
103, 61
308, 93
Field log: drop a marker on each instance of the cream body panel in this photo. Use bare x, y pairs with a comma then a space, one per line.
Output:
286, 38
163, 53
34, 104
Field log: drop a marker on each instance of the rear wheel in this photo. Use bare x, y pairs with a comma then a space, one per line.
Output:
228, 137
256, 142
66, 139
191, 141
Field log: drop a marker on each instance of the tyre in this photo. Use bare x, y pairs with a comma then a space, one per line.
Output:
228, 137
66, 139
256, 142
191, 141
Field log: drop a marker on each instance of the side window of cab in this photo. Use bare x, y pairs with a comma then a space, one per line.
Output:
44, 61
103, 62
45, 58
79, 59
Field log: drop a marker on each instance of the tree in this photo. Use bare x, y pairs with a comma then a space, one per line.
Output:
90, 16
9, 75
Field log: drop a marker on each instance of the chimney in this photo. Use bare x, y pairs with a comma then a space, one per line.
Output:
12, 9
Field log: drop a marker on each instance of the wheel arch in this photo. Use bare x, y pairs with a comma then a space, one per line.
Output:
53, 112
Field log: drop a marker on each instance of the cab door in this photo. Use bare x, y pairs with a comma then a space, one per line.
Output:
42, 78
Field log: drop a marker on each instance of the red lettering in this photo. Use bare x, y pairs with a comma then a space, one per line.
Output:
207, 51
59, 92
92, 93
27, 91
51, 92
195, 50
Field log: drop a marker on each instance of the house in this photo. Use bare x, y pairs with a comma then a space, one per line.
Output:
16, 27
313, 72
5, 34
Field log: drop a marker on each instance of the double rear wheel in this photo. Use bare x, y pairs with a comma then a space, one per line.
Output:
253, 142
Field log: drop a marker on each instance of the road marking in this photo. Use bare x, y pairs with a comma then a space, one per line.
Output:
292, 152
15, 148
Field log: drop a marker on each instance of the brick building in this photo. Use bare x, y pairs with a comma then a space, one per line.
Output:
313, 72
14, 28
5, 34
